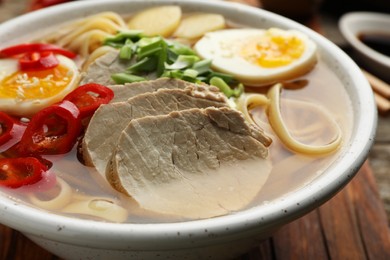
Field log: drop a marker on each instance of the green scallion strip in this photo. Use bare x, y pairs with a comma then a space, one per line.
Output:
182, 62
149, 52
238, 90
202, 66
147, 64
176, 74
149, 41
190, 73
222, 85
162, 59
167, 59
171, 56
121, 36
122, 78
226, 77
114, 44
126, 52
202, 79
180, 49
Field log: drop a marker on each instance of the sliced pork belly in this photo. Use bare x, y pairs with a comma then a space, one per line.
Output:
129, 90
100, 70
109, 120
195, 163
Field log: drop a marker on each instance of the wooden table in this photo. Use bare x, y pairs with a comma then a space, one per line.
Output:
352, 225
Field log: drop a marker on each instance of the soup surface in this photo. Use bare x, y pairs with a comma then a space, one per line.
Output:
256, 74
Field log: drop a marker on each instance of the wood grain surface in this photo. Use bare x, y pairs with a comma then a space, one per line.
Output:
352, 225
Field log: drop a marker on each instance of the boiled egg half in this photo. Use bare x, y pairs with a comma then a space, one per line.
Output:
259, 57
23, 93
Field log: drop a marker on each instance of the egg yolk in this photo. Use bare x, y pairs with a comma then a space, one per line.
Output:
35, 84
273, 50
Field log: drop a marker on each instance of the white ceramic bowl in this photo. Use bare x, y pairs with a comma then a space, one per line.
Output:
221, 237
355, 23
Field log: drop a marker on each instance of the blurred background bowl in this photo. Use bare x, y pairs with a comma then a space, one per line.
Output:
353, 25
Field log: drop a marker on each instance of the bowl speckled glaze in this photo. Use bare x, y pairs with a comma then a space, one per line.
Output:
220, 237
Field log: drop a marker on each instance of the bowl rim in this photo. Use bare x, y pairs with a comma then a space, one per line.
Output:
350, 32
201, 232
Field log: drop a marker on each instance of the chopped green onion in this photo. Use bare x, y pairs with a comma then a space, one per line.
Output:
238, 90
224, 87
180, 49
189, 79
190, 73
171, 56
126, 52
121, 36
226, 77
151, 49
147, 41
201, 79
147, 64
202, 66
122, 78
167, 59
150, 52
114, 44
182, 62
162, 58
176, 74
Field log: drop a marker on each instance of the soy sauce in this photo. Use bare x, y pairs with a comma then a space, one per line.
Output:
379, 41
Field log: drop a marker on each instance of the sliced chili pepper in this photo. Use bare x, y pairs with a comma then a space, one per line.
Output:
38, 4
34, 47
89, 97
33, 61
6, 123
17, 172
10, 131
53, 130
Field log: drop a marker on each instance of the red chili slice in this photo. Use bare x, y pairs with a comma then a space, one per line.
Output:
34, 47
17, 172
34, 61
38, 4
89, 97
53, 130
10, 131
6, 123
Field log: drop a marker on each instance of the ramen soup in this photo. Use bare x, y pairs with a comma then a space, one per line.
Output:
165, 116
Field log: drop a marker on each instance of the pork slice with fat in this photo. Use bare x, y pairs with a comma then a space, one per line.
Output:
129, 90
101, 69
194, 163
109, 120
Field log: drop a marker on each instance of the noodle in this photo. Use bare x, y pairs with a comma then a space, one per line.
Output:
309, 132
104, 208
277, 123
86, 35
272, 104
250, 101
88, 42
63, 197
94, 24
96, 54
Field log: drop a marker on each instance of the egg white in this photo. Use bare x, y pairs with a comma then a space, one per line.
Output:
28, 107
223, 48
